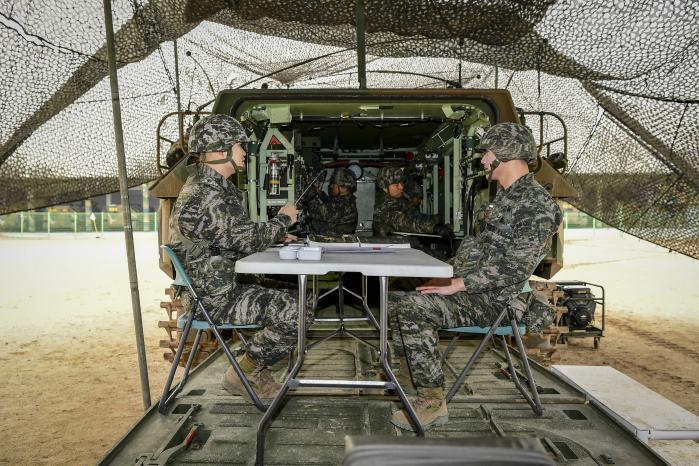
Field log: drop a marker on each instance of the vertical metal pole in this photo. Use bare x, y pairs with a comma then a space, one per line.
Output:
75, 222
21, 222
180, 120
145, 224
123, 188
48, 221
447, 191
435, 189
361, 43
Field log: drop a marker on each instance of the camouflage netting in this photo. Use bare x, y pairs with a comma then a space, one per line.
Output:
621, 74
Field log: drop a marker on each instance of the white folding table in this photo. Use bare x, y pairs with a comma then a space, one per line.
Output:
402, 262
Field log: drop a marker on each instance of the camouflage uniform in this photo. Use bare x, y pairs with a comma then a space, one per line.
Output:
334, 216
209, 230
396, 214
494, 265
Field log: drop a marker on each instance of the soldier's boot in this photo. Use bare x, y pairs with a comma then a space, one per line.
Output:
260, 378
430, 408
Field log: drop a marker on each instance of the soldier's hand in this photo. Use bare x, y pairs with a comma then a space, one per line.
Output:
290, 211
289, 238
444, 231
455, 285
436, 282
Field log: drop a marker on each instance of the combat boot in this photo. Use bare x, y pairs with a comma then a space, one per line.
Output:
430, 408
260, 378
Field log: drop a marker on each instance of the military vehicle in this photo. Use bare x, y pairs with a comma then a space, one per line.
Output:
432, 133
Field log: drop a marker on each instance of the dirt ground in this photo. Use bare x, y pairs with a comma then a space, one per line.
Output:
70, 386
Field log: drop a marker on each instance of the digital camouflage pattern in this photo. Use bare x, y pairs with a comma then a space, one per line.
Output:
389, 175
399, 215
216, 133
331, 216
345, 178
209, 230
539, 314
494, 266
509, 141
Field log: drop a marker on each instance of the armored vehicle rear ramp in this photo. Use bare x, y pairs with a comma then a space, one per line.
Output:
311, 427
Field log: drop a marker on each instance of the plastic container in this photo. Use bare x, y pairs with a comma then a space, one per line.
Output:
289, 252
308, 253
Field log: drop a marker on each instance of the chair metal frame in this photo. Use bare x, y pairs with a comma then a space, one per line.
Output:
340, 310
513, 329
532, 397
182, 279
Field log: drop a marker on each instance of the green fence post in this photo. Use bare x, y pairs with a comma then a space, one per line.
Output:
21, 222
102, 222
48, 222
75, 222
594, 226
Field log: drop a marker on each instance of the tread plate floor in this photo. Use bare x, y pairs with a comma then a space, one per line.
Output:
311, 427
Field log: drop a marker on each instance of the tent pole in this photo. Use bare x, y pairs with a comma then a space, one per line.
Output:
361, 43
124, 189
180, 120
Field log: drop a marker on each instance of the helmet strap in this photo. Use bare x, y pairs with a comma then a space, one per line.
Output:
229, 158
493, 165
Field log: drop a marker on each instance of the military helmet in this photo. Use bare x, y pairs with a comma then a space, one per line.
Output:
344, 177
216, 133
388, 176
509, 141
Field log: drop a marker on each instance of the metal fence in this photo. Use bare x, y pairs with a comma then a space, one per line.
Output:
81, 222
577, 219
75, 222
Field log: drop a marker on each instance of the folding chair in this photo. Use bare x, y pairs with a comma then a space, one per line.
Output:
187, 323
513, 329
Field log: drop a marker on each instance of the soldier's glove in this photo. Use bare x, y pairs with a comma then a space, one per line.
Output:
444, 231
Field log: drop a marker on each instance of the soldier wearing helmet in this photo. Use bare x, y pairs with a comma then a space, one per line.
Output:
210, 229
334, 213
489, 269
392, 213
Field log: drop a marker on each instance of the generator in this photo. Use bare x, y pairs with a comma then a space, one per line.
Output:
580, 302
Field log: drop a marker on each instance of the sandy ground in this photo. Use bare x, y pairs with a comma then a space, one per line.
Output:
70, 386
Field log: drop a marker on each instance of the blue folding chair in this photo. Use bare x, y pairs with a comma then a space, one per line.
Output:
513, 329
187, 323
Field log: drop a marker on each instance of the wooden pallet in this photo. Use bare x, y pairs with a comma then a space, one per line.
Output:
174, 309
547, 346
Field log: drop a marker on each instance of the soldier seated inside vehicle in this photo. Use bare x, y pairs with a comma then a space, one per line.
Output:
392, 213
334, 213
489, 270
412, 197
210, 229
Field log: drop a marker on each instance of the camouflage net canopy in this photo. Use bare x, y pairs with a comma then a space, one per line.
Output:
623, 75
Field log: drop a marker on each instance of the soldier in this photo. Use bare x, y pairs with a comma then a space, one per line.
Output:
335, 213
412, 192
392, 213
489, 270
412, 197
210, 229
